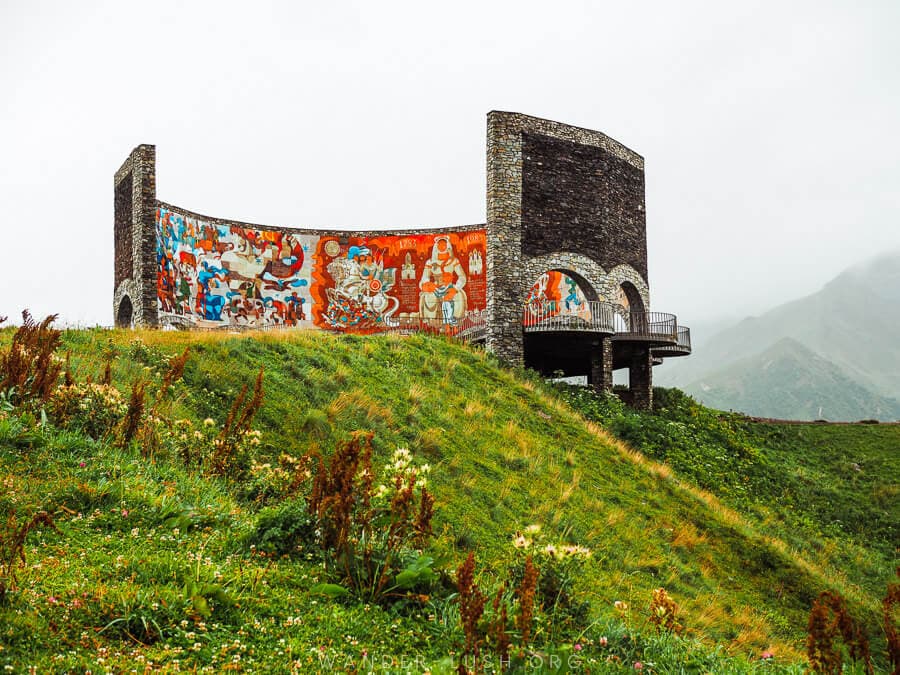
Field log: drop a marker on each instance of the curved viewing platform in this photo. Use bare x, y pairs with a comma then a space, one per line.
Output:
549, 317
656, 328
682, 346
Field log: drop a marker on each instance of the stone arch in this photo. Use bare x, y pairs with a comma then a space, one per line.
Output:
624, 278
633, 296
587, 273
125, 313
128, 289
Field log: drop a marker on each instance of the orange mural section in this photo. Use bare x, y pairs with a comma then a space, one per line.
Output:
554, 294
370, 284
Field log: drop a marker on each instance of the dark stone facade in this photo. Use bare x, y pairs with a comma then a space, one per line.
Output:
124, 230
582, 198
570, 199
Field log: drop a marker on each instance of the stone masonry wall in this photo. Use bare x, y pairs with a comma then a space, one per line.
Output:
554, 190
140, 284
578, 197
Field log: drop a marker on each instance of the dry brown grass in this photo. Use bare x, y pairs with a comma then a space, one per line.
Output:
475, 409
615, 517
417, 393
569, 488
685, 535
358, 399
342, 375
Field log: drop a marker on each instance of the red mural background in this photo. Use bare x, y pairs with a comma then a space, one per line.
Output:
367, 284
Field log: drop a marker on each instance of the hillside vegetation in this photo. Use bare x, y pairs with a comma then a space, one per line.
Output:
170, 558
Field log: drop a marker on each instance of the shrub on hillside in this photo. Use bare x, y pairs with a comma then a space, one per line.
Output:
833, 635
30, 368
91, 408
12, 545
286, 529
664, 612
373, 536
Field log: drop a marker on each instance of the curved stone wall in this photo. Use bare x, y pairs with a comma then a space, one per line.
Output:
565, 225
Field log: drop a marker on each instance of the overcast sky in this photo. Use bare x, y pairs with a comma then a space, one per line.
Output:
770, 131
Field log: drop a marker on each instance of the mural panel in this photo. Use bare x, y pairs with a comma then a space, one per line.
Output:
368, 284
214, 275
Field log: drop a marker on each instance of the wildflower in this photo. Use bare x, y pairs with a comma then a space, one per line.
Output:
603, 641
124, 513
765, 656
82, 464
51, 600
620, 606
521, 542
638, 665
577, 647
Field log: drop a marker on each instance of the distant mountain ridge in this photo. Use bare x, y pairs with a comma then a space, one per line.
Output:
789, 381
839, 346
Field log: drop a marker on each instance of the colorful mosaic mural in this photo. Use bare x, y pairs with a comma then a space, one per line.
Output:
371, 283
210, 274
213, 274
556, 293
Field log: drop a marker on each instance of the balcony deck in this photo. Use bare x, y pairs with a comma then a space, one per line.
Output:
682, 346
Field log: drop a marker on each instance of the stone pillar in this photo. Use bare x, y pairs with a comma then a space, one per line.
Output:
640, 379
607, 348
505, 297
601, 375
135, 236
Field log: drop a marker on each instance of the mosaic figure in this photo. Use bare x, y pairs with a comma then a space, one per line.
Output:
442, 284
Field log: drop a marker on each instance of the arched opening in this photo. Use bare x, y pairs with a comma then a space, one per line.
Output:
563, 322
630, 297
558, 293
125, 313
632, 376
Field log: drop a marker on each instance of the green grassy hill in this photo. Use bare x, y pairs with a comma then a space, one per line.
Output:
142, 538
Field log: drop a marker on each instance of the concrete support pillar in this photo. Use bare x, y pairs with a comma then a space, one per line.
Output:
640, 379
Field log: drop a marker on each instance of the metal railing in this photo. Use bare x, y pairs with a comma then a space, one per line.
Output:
543, 316
552, 316
632, 325
470, 328
682, 346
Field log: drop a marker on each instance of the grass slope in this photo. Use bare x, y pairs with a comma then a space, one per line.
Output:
506, 452
831, 492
